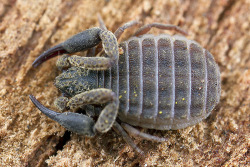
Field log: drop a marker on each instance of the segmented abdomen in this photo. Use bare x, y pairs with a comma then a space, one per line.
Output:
164, 82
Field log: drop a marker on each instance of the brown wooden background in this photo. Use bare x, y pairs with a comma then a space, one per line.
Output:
28, 138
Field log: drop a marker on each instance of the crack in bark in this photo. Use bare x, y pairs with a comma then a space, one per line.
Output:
7, 7
221, 17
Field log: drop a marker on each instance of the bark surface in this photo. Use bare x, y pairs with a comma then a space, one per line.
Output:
29, 138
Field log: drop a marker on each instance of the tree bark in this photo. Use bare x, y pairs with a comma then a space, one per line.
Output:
28, 138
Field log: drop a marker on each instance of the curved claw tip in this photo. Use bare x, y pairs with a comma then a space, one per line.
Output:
52, 52
50, 113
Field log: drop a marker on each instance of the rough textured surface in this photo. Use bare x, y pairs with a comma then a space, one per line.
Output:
28, 138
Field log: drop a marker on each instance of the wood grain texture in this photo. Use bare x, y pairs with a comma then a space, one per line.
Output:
28, 138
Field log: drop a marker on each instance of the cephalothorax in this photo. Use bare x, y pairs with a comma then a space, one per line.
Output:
159, 82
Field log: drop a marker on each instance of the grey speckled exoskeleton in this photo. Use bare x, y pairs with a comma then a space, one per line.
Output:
159, 82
